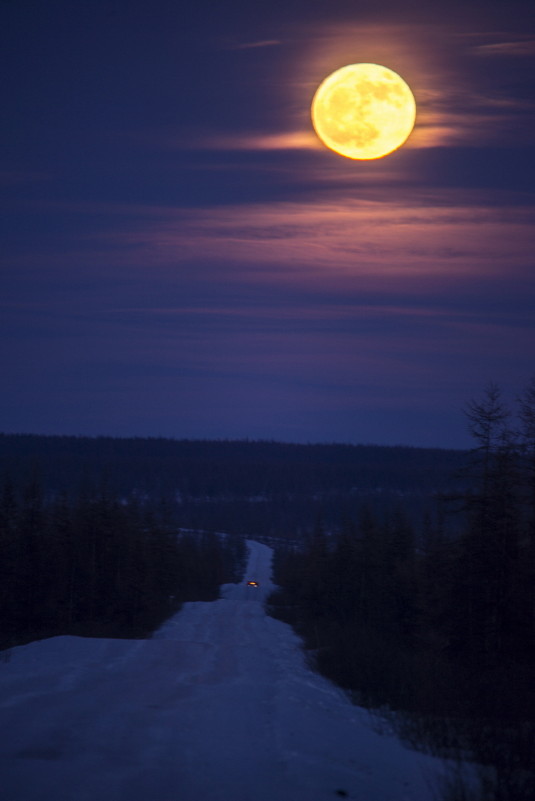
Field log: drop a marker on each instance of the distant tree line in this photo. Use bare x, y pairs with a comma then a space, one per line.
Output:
440, 627
97, 566
212, 468
269, 488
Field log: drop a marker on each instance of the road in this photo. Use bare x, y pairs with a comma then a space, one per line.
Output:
218, 706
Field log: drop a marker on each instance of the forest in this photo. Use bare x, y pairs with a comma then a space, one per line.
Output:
437, 630
107, 537
94, 565
268, 489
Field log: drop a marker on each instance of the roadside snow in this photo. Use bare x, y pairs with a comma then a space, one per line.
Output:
218, 706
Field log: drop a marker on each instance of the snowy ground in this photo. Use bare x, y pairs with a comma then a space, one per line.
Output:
218, 706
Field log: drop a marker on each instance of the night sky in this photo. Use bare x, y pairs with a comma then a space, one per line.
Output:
182, 257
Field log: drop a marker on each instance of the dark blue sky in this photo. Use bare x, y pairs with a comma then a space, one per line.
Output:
183, 258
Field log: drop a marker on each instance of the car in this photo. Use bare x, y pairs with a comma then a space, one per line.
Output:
253, 584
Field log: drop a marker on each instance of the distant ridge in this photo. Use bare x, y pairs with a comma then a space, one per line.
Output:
214, 467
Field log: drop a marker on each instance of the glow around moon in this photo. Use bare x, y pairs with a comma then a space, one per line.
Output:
363, 111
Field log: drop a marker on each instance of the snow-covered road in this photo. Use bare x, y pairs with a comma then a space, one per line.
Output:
218, 706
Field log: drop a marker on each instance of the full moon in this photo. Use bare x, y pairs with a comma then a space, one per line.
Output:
363, 111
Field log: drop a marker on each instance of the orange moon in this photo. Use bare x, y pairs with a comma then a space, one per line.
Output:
363, 111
